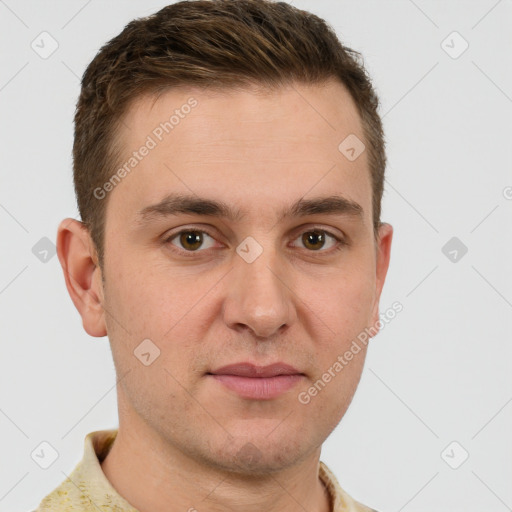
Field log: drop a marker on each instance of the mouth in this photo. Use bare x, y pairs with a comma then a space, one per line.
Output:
257, 382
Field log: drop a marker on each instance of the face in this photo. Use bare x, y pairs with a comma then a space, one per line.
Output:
246, 272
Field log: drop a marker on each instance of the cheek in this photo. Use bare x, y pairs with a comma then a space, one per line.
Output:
344, 304
151, 299
331, 391
170, 310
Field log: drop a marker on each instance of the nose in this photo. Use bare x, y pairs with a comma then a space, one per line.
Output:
259, 298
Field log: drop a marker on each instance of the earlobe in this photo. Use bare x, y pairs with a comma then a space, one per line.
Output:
382, 265
77, 257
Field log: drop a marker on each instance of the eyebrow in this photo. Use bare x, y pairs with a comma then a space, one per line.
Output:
176, 204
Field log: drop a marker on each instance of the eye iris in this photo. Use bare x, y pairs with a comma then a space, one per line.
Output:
313, 237
191, 238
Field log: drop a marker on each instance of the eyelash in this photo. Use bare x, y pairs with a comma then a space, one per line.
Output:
339, 245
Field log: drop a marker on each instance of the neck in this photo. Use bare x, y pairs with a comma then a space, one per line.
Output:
153, 476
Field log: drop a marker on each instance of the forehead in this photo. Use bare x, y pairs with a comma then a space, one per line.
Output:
241, 143
240, 113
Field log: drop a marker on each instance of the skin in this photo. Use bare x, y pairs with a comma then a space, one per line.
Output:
184, 438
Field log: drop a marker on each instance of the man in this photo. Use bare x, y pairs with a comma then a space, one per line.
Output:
228, 164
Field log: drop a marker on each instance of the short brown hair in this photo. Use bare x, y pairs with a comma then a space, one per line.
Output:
209, 43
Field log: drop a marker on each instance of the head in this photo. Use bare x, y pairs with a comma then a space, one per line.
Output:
228, 118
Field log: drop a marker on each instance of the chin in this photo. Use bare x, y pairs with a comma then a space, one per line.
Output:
258, 456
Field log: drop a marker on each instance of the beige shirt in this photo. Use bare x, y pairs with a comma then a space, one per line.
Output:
87, 489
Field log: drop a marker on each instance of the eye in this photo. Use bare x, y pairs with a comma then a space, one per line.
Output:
190, 240
315, 240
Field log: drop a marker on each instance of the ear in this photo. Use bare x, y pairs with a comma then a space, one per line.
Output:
78, 258
382, 263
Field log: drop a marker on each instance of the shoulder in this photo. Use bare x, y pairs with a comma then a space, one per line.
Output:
341, 501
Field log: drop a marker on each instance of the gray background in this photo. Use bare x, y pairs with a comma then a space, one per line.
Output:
439, 372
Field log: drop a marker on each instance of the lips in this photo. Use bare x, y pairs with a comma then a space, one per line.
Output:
251, 370
257, 382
